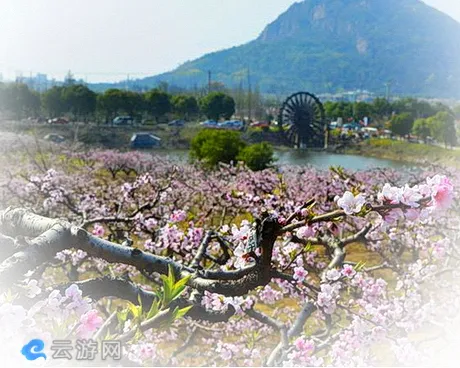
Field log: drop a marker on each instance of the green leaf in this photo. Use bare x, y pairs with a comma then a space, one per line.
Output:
182, 312
135, 310
182, 282
140, 301
9, 297
122, 316
154, 309
312, 205
168, 285
360, 266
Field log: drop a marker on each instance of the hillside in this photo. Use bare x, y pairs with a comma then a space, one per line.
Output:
335, 45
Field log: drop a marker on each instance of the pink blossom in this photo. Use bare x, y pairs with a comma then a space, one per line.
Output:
390, 194
348, 271
327, 297
304, 346
351, 204
89, 323
216, 302
410, 197
147, 351
304, 212
178, 216
305, 232
424, 190
439, 250
412, 214
269, 295
300, 274
33, 289
149, 245
151, 223
393, 216
98, 230
333, 275
442, 191
225, 229
77, 303
73, 292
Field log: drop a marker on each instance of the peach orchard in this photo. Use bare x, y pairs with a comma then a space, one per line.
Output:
347, 267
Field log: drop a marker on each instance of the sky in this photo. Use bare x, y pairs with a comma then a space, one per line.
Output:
107, 40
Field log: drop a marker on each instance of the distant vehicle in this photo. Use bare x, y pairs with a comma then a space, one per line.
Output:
145, 140
58, 121
231, 124
352, 126
176, 123
56, 138
260, 124
123, 120
209, 123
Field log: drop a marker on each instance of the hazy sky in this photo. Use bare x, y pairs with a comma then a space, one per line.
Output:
104, 40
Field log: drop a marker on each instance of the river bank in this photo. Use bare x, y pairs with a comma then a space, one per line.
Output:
404, 151
175, 139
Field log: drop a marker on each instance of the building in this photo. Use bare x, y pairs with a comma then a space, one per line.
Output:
145, 140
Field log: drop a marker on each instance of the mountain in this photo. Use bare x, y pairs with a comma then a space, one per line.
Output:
334, 45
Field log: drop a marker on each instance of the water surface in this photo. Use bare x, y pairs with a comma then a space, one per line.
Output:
320, 160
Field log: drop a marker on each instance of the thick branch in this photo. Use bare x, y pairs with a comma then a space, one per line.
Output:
60, 235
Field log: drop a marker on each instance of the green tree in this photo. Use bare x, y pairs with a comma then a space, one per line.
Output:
53, 102
184, 105
214, 146
216, 105
110, 102
381, 107
20, 100
362, 109
132, 103
80, 100
335, 110
257, 156
417, 108
401, 124
158, 103
442, 127
421, 128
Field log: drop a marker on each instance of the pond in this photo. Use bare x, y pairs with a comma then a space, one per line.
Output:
320, 160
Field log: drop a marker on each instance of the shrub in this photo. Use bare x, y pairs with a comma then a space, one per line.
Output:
214, 146
257, 156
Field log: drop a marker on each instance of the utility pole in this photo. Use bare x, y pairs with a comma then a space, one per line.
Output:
388, 87
249, 96
209, 81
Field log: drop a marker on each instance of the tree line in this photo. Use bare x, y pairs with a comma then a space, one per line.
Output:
80, 103
403, 117
77, 101
380, 110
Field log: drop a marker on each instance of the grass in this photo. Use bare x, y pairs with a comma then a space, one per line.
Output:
405, 151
